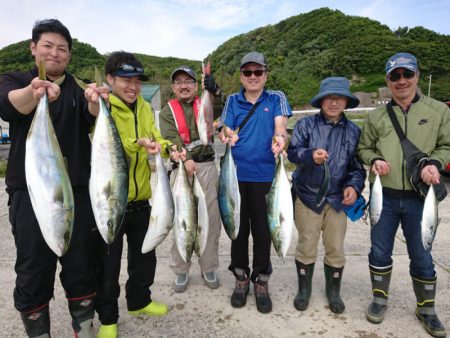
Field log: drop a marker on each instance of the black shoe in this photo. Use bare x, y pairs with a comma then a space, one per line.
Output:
263, 301
239, 296
333, 278
375, 312
432, 325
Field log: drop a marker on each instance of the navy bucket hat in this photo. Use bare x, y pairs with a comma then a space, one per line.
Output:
335, 86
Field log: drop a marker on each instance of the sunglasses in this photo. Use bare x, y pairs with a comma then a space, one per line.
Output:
131, 69
257, 72
407, 74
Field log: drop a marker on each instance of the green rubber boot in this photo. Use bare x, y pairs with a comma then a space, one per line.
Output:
381, 278
425, 290
333, 277
154, 309
305, 273
107, 331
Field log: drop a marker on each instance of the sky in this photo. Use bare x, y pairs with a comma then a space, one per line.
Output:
194, 28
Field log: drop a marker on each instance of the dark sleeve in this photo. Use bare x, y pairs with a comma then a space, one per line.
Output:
356, 173
299, 151
9, 82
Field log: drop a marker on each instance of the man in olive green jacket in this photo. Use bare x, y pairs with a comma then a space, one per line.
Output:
178, 124
426, 123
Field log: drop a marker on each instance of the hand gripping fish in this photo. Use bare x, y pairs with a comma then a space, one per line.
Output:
280, 211
108, 185
161, 217
47, 178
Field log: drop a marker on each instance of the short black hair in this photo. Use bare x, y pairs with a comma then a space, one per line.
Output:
120, 58
53, 26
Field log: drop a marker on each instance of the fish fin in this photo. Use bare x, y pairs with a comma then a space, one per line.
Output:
80, 83
41, 70
98, 77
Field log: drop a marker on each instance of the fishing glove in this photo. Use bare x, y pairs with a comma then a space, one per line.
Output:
211, 85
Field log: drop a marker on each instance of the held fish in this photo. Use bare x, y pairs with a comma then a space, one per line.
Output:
108, 185
322, 193
186, 218
376, 201
280, 211
205, 113
429, 222
161, 217
203, 218
228, 195
48, 181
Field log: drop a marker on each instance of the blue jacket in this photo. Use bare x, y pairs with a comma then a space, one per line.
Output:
340, 140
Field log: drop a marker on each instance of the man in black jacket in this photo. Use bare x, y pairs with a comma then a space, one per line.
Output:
36, 263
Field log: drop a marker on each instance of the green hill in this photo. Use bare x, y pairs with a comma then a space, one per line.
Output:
301, 50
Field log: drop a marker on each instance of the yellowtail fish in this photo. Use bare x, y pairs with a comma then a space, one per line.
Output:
108, 185
203, 218
228, 195
376, 201
186, 218
47, 178
280, 211
161, 217
430, 221
206, 112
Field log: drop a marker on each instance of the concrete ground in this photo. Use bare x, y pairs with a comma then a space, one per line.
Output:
201, 312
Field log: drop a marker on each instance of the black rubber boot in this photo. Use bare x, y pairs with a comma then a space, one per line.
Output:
333, 277
305, 274
82, 311
381, 278
239, 296
37, 322
425, 290
261, 287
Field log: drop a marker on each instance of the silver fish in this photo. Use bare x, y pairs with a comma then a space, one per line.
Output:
48, 181
376, 201
324, 187
203, 218
186, 218
228, 195
280, 211
108, 185
206, 113
429, 222
161, 217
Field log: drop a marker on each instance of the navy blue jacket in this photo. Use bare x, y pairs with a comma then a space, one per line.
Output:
340, 140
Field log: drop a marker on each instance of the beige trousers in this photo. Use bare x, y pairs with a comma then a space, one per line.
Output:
208, 177
333, 226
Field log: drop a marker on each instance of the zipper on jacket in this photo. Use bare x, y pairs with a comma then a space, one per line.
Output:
403, 163
137, 154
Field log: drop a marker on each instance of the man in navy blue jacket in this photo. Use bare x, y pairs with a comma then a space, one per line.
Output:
328, 177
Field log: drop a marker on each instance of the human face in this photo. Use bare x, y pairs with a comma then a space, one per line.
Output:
403, 90
253, 84
126, 88
333, 106
184, 87
53, 49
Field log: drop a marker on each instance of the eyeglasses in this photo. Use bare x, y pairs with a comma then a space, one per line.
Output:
257, 72
131, 69
188, 82
407, 74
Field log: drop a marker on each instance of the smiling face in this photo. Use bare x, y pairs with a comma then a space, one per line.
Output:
184, 87
53, 49
333, 106
126, 88
253, 84
404, 88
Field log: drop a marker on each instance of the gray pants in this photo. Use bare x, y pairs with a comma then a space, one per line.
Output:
208, 177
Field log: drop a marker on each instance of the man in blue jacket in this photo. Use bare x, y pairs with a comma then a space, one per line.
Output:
328, 177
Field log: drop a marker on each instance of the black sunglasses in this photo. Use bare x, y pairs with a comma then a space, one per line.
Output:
131, 69
257, 72
407, 74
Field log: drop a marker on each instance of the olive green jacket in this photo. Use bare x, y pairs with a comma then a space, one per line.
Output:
133, 125
427, 125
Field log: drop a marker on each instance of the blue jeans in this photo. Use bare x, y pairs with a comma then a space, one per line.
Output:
408, 212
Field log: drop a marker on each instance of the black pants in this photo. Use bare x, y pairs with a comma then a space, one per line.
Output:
141, 268
36, 262
254, 219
